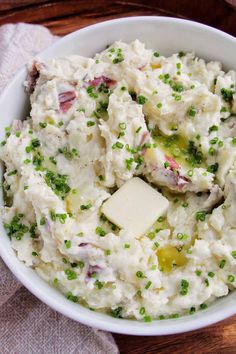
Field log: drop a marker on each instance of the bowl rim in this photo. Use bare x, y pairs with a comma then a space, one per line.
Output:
118, 325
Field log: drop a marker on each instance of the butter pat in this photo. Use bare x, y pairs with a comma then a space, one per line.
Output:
135, 206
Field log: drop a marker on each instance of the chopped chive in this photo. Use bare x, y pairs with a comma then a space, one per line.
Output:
184, 287
42, 125
141, 100
85, 206
192, 310
71, 274
222, 263
147, 319
211, 274
230, 278
203, 306
42, 221
67, 243
117, 145
140, 274
178, 98
201, 216
81, 264
99, 231
122, 126
233, 254
142, 311
147, 286
192, 111
213, 128
90, 123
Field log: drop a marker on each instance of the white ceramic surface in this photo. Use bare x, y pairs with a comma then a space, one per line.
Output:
166, 35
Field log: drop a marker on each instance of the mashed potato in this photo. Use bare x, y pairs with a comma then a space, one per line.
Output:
96, 123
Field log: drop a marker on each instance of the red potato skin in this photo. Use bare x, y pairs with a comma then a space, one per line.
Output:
66, 99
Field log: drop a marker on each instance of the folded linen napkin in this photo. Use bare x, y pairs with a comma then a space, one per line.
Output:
27, 326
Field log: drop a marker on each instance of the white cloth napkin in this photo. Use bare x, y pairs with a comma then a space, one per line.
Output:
27, 326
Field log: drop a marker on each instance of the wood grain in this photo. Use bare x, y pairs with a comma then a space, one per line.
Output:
217, 339
64, 16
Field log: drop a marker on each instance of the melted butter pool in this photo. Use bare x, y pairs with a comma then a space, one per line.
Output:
177, 147
168, 257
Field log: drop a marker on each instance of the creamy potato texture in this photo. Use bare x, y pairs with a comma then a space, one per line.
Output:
94, 124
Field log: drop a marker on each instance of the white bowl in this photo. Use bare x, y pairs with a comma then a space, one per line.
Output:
167, 35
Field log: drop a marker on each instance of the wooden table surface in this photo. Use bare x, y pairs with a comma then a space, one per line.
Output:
65, 16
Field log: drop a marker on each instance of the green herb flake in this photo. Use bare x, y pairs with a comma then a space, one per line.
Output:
181, 54
71, 274
58, 183
67, 244
177, 87
72, 297
227, 94
203, 306
42, 221
12, 173
81, 264
178, 98
192, 310
117, 313
234, 141
91, 93
140, 274
90, 123
233, 254
122, 126
184, 287
117, 145
198, 272
147, 286
230, 278
192, 111
222, 263
85, 206
42, 125
99, 284
126, 245
16, 228
142, 311
99, 231
213, 168
211, 274
141, 100
201, 216
147, 319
